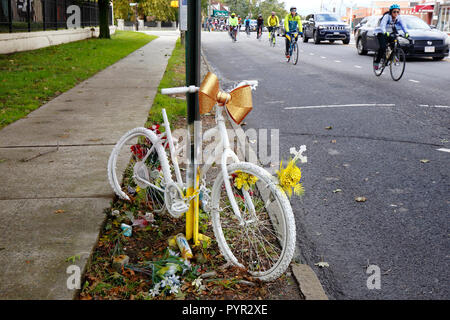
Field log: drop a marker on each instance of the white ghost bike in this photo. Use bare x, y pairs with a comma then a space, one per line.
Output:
251, 216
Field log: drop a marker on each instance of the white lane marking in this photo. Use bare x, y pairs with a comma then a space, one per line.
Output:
323, 57
415, 81
343, 105
337, 61
356, 66
311, 54
436, 106
443, 149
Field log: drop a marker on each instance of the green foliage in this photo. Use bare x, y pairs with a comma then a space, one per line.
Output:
255, 7
30, 79
160, 10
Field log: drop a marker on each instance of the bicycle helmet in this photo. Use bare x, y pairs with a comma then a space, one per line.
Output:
292, 8
273, 13
233, 14
394, 6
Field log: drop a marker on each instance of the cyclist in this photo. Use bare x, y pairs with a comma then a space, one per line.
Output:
273, 22
292, 22
247, 24
233, 23
259, 26
388, 25
240, 22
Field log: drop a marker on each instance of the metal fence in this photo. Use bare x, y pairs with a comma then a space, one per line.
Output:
39, 15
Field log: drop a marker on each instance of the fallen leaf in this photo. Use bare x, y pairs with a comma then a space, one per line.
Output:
333, 141
337, 190
60, 211
329, 127
360, 199
322, 264
424, 160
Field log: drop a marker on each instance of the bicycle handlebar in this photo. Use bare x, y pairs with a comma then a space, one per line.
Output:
192, 89
177, 90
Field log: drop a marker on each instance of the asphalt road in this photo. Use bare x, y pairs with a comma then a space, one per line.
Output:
380, 133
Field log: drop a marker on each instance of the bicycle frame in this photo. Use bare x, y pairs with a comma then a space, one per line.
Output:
221, 152
293, 40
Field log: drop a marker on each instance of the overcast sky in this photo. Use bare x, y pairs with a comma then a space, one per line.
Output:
305, 7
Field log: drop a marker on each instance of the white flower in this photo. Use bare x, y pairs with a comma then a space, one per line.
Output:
164, 282
197, 282
187, 263
155, 291
174, 289
174, 279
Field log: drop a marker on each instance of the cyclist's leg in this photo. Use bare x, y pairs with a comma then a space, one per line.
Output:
287, 42
381, 47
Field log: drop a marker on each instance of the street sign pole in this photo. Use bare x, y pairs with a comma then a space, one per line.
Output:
193, 114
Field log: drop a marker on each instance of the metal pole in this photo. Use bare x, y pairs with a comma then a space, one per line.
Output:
43, 14
56, 14
29, 14
10, 16
193, 114
65, 13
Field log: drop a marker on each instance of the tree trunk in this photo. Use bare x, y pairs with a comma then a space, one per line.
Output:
103, 13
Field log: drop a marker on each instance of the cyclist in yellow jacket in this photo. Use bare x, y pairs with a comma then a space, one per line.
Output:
233, 22
272, 22
292, 22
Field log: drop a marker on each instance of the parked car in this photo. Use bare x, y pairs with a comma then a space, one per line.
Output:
325, 26
427, 41
360, 24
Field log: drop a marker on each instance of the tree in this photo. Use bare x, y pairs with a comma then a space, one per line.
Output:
160, 9
122, 9
103, 13
255, 7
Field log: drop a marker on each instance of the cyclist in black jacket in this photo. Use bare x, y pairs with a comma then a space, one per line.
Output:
260, 25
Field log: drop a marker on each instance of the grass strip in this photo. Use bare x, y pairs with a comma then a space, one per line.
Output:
174, 76
30, 79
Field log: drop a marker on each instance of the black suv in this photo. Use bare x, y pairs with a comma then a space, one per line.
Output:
325, 26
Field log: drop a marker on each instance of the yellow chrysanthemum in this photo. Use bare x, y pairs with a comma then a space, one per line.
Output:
289, 178
244, 180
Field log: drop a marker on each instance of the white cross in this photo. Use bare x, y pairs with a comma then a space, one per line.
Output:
299, 154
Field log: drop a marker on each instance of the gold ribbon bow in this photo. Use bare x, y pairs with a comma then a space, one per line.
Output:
238, 102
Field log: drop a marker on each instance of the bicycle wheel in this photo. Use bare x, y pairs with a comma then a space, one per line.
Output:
381, 66
263, 241
398, 64
135, 158
295, 53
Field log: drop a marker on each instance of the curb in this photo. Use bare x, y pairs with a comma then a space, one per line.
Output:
307, 281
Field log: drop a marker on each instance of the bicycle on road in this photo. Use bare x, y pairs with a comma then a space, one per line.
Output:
293, 47
273, 36
233, 33
247, 30
259, 32
251, 216
394, 57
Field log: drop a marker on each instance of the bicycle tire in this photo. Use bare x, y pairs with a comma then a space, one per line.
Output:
155, 197
295, 53
397, 57
283, 234
378, 72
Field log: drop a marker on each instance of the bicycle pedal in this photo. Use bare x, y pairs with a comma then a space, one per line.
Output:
180, 207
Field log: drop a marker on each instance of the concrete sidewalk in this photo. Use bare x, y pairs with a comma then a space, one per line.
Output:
85, 122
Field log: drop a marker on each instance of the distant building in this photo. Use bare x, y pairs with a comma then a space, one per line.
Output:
422, 8
442, 15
